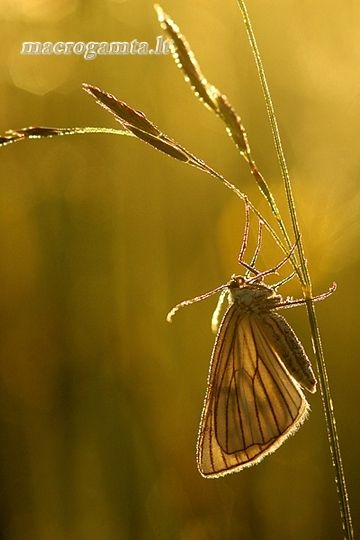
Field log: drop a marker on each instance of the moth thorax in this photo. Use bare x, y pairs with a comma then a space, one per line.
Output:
254, 297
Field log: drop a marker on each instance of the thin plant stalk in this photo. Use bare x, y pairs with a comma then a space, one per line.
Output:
217, 102
307, 290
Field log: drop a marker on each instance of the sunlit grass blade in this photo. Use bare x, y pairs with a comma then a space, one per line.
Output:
137, 123
134, 124
42, 132
219, 103
206, 92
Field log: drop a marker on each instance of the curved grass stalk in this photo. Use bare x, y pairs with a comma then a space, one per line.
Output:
218, 103
41, 132
307, 290
136, 123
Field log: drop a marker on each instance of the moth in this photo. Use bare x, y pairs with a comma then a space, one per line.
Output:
254, 399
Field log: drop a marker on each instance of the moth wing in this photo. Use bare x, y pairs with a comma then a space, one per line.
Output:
252, 403
290, 350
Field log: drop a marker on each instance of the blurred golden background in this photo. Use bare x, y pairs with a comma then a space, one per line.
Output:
101, 236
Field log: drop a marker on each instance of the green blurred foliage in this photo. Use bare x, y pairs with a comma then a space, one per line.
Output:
100, 236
